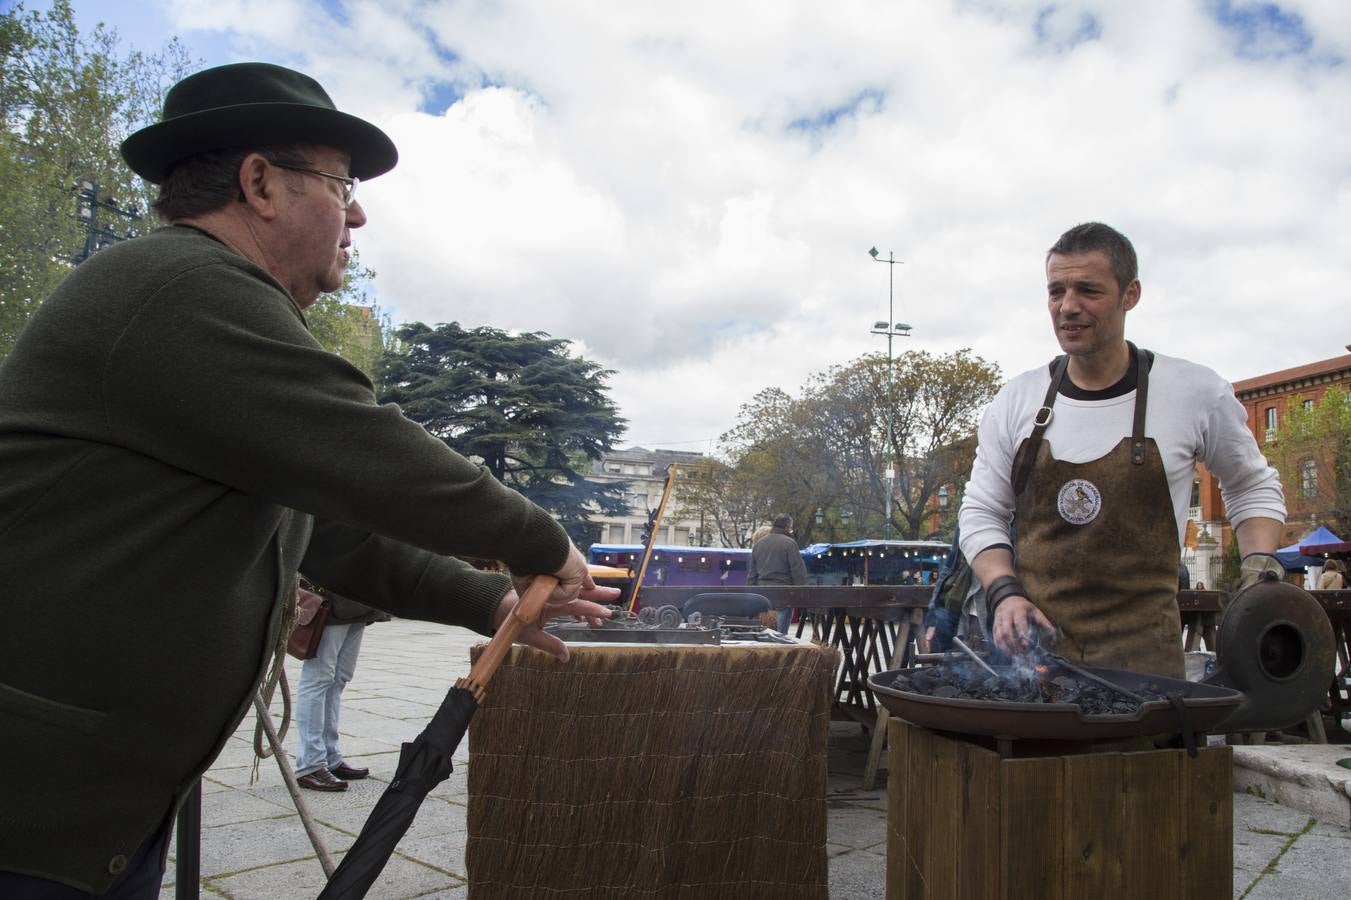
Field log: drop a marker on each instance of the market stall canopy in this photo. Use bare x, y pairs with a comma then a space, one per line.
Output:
1296, 556
1337, 549
924, 551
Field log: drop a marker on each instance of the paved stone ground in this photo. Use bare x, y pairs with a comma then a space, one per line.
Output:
254, 846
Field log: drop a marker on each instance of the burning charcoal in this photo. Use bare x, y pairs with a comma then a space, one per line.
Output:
947, 692
923, 680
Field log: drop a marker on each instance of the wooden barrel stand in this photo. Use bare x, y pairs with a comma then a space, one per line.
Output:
964, 822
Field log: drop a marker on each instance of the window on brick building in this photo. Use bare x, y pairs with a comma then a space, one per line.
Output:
1308, 477
1308, 406
1271, 423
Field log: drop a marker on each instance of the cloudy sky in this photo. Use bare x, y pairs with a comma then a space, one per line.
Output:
689, 190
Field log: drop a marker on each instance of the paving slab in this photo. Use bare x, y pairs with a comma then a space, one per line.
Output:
244, 846
445, 851
856, 827
345, 811
858, 874
401, 878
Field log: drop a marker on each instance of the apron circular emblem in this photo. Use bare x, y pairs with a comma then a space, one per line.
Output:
1079, 502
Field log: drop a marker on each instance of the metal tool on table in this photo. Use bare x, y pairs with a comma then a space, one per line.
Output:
666, 625
651, 625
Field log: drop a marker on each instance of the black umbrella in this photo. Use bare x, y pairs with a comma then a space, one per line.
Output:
425, 761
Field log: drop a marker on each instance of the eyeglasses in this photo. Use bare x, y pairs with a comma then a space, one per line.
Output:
349, 184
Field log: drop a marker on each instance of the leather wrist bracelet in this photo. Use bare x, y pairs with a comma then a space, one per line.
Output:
1001, 589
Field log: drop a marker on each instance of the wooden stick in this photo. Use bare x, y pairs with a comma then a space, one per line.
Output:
879, 736
288, 775
652, 537
526, 612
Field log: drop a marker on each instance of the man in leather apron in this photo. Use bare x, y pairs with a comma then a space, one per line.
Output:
1097, 525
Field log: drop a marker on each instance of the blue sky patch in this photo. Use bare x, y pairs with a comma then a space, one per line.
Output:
1262, 30
439, 96
337, 9
866, 102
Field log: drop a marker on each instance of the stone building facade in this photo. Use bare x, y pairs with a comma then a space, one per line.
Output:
643, 473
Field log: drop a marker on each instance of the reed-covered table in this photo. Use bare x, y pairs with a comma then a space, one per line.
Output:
652, 771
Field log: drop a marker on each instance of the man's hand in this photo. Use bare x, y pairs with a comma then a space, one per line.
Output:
1013, 621
534, 636
576, 595
574, 581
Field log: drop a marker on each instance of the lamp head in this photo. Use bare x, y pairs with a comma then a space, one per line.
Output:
873, 253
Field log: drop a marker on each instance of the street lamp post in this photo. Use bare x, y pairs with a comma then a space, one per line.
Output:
892, 329
98, 234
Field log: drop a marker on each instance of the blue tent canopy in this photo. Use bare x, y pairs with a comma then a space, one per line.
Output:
1291, 558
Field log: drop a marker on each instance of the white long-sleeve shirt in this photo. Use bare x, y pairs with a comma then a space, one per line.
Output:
1192, 415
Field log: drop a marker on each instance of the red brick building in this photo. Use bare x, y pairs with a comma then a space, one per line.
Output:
1267, 399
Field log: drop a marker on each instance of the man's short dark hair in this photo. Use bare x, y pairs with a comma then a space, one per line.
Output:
783, 521
1091, 237
208, 181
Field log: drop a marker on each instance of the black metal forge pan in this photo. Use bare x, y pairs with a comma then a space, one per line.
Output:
1203, 707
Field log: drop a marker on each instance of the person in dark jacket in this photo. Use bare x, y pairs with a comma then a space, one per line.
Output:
319, 763
175, 446
776, 559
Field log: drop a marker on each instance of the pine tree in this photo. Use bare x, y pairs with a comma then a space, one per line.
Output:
535, 415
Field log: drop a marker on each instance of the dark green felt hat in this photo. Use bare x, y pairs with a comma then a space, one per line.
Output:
253, 105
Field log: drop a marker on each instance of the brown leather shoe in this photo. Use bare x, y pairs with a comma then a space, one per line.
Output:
349, 773
321, 780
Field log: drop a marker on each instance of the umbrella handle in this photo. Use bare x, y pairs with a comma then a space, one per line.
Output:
527, 611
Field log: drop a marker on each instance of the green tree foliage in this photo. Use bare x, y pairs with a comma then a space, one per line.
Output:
535, 415
349, 321
935, 406
68, 100
778, 464
828, 449
1312, 451
729, 502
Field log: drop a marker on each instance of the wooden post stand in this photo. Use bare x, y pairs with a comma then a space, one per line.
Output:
964, 822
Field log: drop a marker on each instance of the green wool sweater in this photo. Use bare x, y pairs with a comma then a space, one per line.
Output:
174, 446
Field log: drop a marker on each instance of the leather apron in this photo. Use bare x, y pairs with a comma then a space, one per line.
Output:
1097, 546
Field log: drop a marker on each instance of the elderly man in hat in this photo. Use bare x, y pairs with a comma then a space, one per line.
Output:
174, 447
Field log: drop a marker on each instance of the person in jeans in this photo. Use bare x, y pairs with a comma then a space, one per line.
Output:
319, 763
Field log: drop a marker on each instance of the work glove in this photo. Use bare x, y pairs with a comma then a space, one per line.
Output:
1257, 567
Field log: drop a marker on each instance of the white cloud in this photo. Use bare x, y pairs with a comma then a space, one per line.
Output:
689, 190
